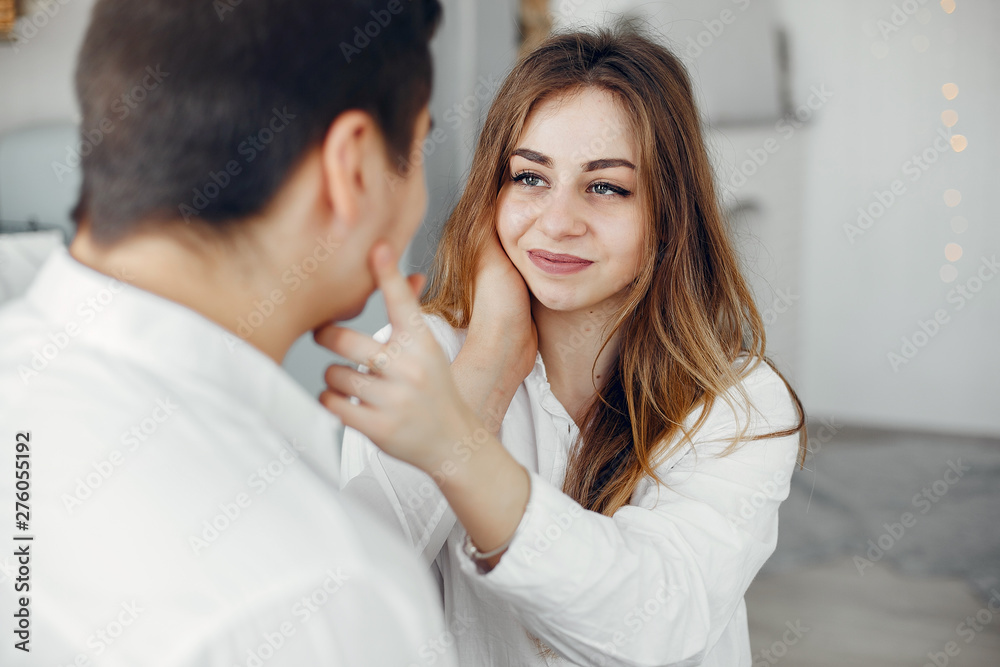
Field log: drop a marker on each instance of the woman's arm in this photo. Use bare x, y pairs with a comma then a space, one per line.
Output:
501, 343
410, 407
657, 583
488, 365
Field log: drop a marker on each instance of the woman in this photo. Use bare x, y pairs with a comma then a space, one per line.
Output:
596, 322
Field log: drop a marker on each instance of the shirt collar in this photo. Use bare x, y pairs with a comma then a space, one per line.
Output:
103, 312
539, 378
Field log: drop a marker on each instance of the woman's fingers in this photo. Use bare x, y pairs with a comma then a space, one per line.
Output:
349, 382
402, 306
351, 345
359, 417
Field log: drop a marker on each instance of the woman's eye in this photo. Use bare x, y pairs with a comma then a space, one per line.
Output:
527, 179
608, 189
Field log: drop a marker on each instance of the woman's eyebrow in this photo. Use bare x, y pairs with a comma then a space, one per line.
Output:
607, 163
593, 165
534, 156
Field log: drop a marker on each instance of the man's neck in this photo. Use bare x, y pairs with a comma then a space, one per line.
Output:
234, 291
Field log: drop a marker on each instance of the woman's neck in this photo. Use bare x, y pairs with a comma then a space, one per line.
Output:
570, 342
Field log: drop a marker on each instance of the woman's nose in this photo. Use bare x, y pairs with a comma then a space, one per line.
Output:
561, 216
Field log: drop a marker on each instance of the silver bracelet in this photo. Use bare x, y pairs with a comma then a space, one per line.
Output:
480, 557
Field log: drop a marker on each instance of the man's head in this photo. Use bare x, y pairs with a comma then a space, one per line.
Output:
206, 118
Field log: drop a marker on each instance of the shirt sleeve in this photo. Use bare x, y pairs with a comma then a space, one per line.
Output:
658, 582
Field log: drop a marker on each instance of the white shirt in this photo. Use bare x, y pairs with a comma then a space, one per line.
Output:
184, 498
659, 583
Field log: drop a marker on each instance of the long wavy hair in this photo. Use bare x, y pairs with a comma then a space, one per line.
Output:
688, 327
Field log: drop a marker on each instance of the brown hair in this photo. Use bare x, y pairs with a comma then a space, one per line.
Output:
689, 314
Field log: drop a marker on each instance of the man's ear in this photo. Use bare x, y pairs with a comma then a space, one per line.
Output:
350, 154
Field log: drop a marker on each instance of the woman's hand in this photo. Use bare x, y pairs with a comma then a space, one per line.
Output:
409, 405
502, 310
502, 342
411, 409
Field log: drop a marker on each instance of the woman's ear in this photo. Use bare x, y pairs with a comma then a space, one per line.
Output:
351, 147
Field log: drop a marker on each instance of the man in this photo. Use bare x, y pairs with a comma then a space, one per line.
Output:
176, 490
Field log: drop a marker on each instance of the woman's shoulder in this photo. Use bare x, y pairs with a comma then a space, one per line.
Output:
761, 398
448, 337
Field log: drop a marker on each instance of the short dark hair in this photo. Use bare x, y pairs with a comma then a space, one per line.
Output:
200, 110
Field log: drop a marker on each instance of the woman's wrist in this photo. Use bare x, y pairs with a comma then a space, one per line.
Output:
482, 370
488, 490
501, 349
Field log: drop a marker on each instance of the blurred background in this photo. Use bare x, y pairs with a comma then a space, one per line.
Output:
854, 151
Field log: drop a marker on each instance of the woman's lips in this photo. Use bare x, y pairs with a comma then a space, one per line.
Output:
556, 263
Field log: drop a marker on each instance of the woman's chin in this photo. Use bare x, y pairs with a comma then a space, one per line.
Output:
566, 301
560, 302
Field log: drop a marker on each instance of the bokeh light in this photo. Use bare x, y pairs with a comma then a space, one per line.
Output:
948, 273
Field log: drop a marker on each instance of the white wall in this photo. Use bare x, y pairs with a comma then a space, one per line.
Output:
860, 299
36, 74
855, 302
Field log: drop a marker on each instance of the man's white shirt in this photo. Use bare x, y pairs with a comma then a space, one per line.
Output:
184, 500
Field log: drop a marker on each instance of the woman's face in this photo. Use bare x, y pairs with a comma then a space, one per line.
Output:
570, 216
